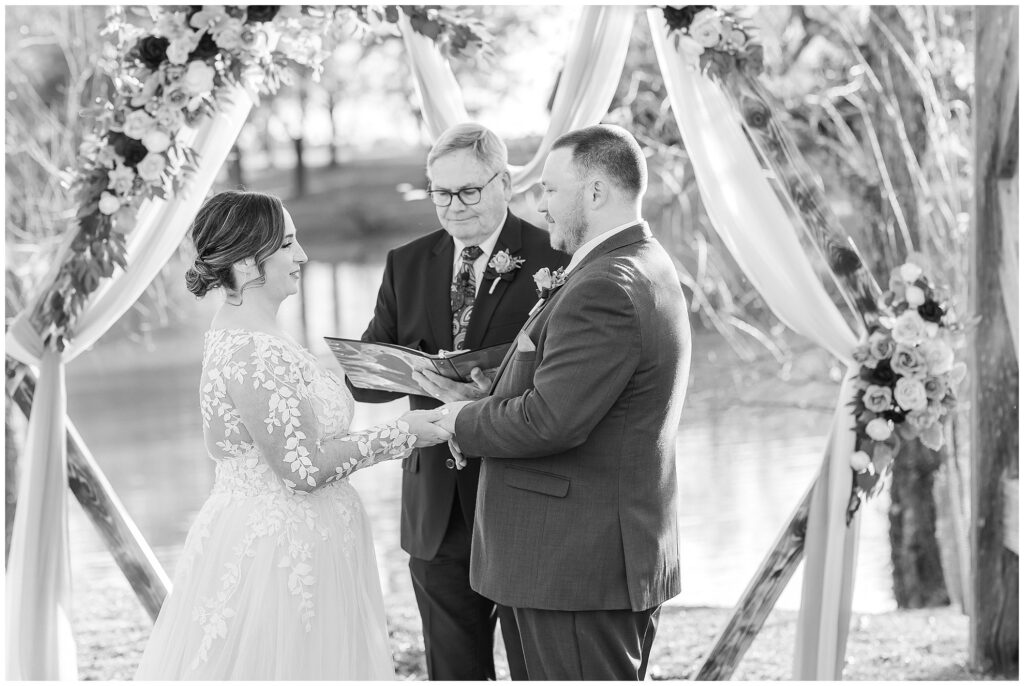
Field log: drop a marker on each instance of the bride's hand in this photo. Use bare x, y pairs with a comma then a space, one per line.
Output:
421, 424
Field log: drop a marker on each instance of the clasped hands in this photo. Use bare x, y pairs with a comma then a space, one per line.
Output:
437, 426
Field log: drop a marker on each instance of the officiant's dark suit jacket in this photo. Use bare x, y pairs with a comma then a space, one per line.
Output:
577, 503
414, 310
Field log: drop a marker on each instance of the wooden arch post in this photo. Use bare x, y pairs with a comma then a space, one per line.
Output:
994, 367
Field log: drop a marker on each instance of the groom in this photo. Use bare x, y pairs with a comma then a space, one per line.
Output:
576, 514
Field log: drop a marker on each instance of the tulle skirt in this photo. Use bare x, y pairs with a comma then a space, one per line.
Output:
274, 586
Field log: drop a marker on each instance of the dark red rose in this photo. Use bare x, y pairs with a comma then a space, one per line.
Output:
843, 260
931, 311
207, 48
152, 50
881, 375
130, 149
681, 17
756, 113
261, 13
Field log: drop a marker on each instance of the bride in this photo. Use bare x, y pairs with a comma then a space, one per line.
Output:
278, 577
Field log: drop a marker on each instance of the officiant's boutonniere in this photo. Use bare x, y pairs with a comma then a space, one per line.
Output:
502, 267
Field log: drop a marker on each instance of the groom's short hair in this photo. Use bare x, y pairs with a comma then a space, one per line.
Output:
486, 146
609, 149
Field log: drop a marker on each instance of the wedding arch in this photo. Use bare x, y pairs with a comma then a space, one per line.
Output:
185, 85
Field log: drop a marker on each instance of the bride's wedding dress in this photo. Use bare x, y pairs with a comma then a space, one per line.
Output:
278, 577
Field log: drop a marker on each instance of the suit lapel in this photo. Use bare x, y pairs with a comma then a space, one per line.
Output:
638, 232
438, 292
633, 234
486, 302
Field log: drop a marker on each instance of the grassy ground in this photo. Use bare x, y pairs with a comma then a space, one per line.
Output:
930, 645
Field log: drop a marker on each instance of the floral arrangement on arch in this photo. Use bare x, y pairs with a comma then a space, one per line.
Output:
720, 40
170, 73
908, 375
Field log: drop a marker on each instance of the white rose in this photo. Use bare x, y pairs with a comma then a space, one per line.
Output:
169, 118
957, 373
124, 220
860, 461
706, 28
198, 77
170, 25
878, 429
737, 38
914, 296
910, 394
151, 166
121, 179
178, 50
909, 328
229, 38
156, 140
910, 272
938, 355
109, 204
106, 157
137, 123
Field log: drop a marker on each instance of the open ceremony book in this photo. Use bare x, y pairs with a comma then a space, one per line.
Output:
386, 367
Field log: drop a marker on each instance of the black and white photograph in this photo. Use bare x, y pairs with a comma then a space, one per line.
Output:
538, 342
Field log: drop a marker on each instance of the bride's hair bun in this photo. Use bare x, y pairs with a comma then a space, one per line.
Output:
200, 278
230, 227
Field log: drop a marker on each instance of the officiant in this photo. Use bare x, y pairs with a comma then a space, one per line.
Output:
466, 286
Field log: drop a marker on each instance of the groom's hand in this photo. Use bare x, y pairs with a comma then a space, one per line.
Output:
448, 414
446, 423
449, 391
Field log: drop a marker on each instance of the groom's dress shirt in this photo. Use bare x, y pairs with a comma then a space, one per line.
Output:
589, 246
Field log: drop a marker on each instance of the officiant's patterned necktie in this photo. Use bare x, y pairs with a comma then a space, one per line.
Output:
463, 295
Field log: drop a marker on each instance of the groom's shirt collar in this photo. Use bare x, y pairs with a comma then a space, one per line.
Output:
589, 246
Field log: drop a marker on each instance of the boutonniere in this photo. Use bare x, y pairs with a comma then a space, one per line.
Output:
548, 282
502, 266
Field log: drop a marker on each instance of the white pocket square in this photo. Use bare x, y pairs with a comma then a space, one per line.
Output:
524, 344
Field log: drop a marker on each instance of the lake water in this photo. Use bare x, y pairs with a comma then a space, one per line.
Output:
743, 463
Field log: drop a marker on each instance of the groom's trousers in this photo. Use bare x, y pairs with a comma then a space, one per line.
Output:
458, 622
593, 645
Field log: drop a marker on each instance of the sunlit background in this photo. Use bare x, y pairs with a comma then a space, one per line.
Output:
346, 154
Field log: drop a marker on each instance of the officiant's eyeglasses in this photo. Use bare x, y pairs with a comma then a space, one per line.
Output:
468, 196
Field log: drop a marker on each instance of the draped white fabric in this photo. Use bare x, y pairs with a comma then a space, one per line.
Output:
39, 643
752, 222
593, 66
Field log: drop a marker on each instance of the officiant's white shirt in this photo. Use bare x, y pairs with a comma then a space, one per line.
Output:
589, 246
480, 264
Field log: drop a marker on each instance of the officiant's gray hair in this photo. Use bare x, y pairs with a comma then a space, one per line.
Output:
484, 143
609, 149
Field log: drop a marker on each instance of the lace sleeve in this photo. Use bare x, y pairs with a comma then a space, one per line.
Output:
270, 391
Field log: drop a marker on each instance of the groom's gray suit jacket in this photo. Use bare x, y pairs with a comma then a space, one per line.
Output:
576, 507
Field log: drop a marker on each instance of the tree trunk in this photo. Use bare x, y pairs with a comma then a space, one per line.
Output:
917, 570
993, 365
918, 580
298, 139
235, 176
332, 144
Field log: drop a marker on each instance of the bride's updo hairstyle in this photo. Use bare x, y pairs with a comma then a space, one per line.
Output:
230, 227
